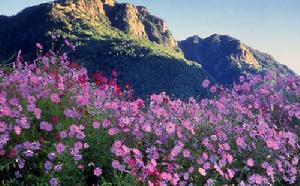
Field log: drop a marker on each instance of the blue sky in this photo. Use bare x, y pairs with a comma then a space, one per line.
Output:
272, 26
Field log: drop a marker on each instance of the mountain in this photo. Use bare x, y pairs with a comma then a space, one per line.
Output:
108, 35
226, 58
138, 45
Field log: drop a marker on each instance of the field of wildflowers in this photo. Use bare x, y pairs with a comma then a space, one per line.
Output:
58, 127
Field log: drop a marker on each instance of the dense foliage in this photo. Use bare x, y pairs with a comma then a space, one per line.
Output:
58, 127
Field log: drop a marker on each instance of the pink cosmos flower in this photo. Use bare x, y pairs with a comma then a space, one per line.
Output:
213, 89
205, 83
186, 153
82, 100
55, 98
240, 141
250, 162
60, 148
106, 123
117, 165
202, 171
39, 46
272, 144
297, 114
231, 173
96, 125
97, 171
37, 113
17, 130
170, 127
113, 131
3, 126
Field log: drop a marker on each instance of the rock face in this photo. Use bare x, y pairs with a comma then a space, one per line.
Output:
156, 28
134, 20
226, 58
138, 21
108, 2
126, 18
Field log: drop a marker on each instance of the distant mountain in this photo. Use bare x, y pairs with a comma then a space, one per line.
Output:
226, 58
109, 35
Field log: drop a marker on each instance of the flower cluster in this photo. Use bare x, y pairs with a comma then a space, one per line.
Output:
55, 121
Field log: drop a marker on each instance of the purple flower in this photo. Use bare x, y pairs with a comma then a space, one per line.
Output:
53, 182
35, 146
28, 153
21, 164
71, 113
117, 165
18, 174
51, 156
60, 148
47, 165
46, 126
63, 134
3, 126
77, 157
57, 168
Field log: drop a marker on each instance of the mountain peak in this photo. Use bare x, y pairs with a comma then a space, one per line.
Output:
221, 53
128, 18
109, 2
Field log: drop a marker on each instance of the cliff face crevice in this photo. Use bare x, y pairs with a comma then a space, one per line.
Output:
125, 17
134, 20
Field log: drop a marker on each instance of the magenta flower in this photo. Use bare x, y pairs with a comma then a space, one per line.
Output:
96, 125
60, 148
240, 141
113, 131
3, 126
55, 98
170, 127
250, 162
205, 83
39, 46
46, 126
213, 89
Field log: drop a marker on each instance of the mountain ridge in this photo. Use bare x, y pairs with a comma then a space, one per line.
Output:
223, 53
111, 35
148, 66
